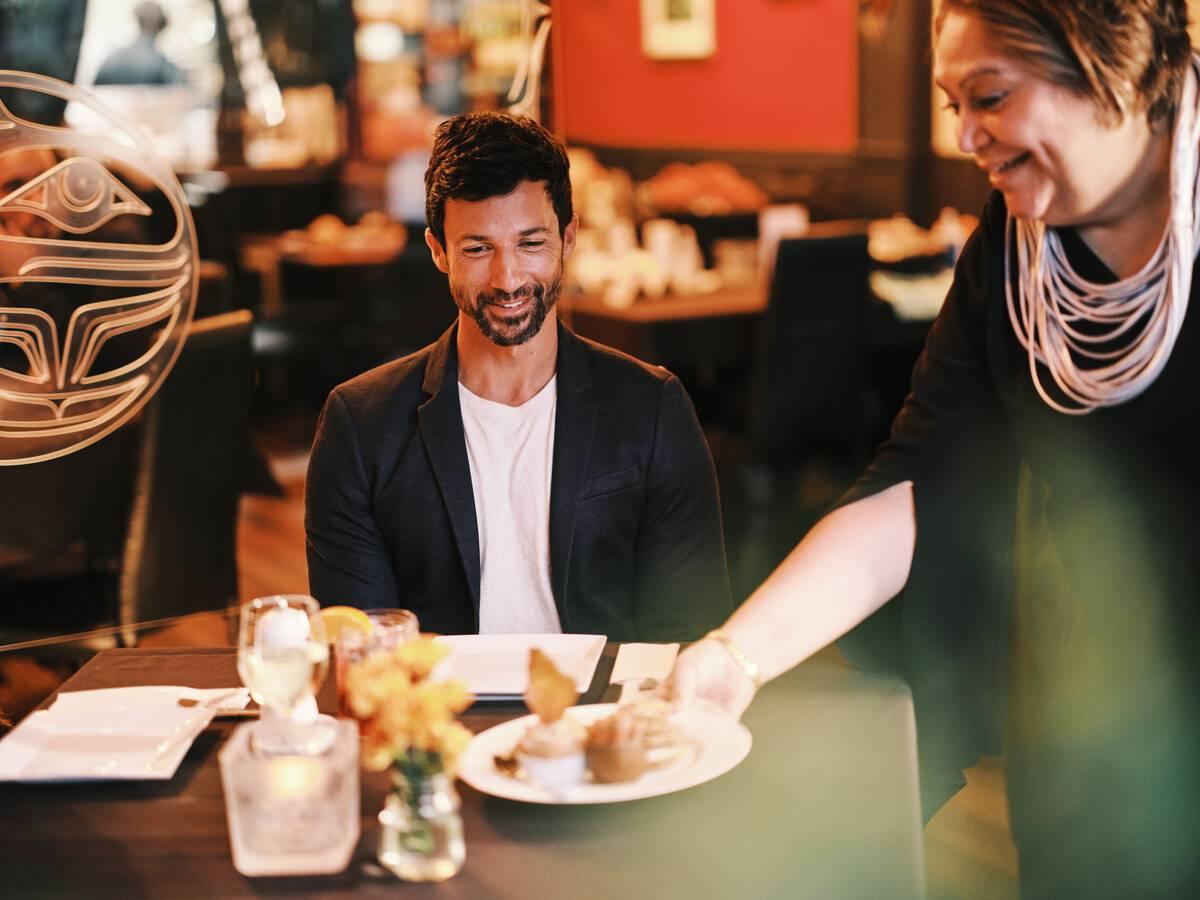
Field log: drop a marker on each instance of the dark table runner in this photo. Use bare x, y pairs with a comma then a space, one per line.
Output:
825, 806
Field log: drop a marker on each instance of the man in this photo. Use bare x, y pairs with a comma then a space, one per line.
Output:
513, 477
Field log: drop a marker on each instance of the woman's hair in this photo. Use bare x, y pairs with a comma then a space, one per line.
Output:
1127, 56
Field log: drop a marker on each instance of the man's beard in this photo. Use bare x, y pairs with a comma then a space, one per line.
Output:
501, 334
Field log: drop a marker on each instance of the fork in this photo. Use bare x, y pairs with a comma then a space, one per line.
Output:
208, 702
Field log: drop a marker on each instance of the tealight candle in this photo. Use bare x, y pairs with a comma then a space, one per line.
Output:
294, 777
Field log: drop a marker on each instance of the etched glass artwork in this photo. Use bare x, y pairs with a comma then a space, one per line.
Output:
98, 276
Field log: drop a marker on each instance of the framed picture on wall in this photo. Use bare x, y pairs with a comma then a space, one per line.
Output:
678, 29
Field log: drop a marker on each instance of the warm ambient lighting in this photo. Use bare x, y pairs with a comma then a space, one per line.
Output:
294, 777
263, 97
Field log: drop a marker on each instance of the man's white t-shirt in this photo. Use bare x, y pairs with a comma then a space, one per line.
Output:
511, 453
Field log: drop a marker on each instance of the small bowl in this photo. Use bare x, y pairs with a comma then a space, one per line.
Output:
554, 772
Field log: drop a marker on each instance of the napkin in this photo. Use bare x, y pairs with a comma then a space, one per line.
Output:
116, 701
636, 662
113, 733
496, 666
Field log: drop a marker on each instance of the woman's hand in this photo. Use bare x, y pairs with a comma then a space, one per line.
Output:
706, 671
847, 567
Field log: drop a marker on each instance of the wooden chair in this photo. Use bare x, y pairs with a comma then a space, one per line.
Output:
142, 524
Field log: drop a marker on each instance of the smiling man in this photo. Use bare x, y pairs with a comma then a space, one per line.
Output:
513, 477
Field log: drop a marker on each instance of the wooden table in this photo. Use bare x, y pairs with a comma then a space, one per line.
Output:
709, 329
825, 806
705, 329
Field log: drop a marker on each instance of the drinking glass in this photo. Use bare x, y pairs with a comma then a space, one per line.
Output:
283, 658
389, 629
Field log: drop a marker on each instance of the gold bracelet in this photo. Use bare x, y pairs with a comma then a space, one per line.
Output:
745, 663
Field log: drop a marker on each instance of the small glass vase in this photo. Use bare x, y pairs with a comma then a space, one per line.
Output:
421, 833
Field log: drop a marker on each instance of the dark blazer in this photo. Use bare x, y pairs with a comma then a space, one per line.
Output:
636, 549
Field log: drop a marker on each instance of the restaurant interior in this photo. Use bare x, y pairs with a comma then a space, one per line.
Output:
771, 203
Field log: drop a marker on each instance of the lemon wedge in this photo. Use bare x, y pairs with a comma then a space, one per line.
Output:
341, 618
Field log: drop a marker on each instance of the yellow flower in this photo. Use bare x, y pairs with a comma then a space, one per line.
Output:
420, 656
400, 711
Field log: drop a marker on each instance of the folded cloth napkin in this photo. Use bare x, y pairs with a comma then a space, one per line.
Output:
496, 666
138, 732
114, 701
638, 662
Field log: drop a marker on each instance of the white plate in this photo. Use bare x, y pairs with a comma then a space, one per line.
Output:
719, 742
138, 733
496, 666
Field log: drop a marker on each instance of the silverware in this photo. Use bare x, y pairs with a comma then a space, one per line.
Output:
252, 713
208, 702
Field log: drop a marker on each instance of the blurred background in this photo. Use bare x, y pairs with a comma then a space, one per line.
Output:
771, 203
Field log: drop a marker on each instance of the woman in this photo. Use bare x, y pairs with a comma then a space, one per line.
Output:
1064, 337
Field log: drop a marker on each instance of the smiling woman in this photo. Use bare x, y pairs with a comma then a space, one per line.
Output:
1062, 371
1069, 139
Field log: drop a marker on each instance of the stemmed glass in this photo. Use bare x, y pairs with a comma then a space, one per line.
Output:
283, 658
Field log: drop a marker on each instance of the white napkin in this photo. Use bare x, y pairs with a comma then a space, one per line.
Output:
636, 662
496, 666
114, 733
117, 701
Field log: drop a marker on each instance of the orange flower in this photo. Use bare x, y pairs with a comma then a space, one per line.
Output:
401, 713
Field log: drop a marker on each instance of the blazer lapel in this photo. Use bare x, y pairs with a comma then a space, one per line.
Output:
442, 433
574, 424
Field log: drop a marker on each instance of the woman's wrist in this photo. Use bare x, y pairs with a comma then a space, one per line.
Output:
748, 666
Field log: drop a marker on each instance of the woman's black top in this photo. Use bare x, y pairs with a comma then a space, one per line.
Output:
1103, 711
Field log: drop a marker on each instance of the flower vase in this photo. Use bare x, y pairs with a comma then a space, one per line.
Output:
421, 833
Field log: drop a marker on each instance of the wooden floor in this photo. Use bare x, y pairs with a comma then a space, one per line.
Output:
968, 852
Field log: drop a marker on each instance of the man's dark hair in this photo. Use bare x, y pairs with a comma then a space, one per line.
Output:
481, 155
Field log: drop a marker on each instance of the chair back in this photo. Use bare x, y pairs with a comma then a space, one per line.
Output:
810, 383
180, 550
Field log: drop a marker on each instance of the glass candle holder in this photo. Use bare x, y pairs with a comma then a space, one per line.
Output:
292, 814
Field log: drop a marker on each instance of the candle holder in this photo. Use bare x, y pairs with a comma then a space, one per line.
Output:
292, 814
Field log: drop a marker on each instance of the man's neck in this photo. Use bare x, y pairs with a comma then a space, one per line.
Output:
508, 375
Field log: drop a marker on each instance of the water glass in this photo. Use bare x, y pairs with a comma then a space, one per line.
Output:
389, 629
283, 658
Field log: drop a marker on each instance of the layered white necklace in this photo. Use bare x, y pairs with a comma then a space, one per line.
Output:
1061, 318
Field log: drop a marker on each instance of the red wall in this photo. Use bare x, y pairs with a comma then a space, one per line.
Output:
784, 77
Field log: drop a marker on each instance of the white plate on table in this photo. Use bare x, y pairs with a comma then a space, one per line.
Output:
496, 666
716, 743
115, 734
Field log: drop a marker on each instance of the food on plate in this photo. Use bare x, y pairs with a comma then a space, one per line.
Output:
637, 737
616, 747
552, 752
557, 751
653, 715
550, 693
326, 228
327, 240
552, 749
705, 188
376, 218
507, 765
